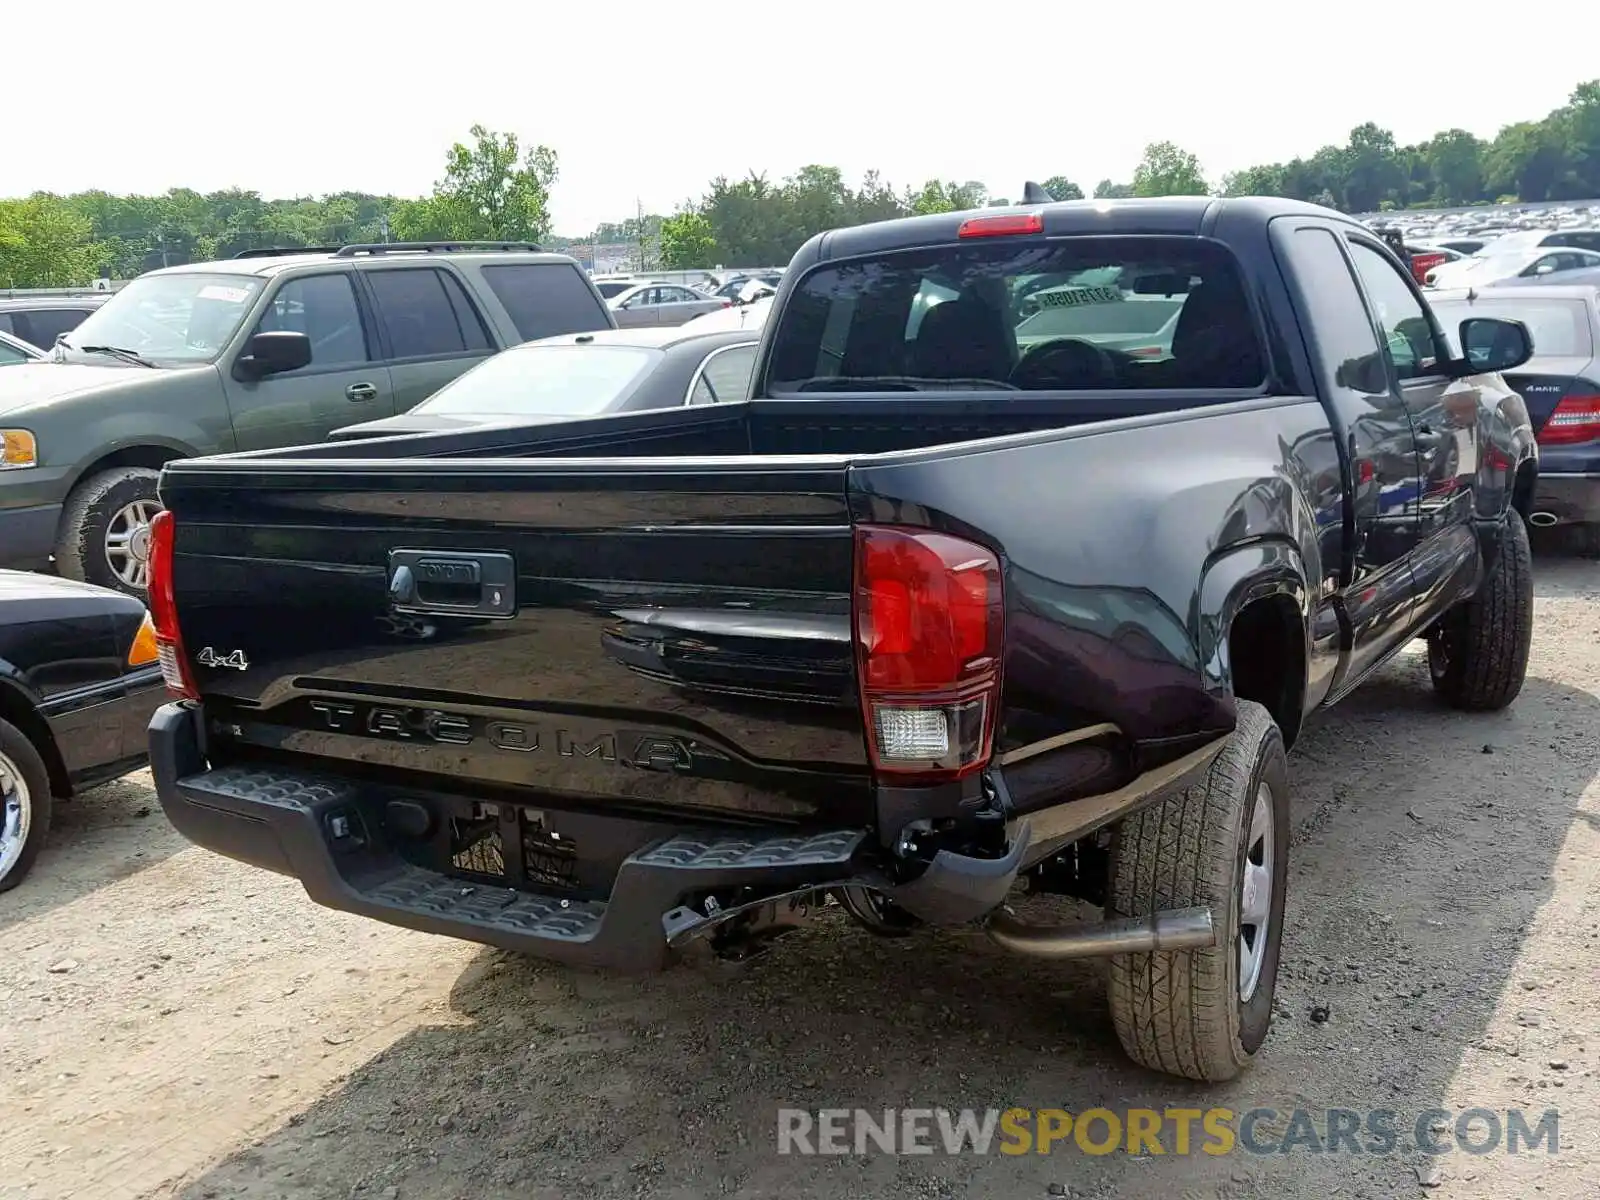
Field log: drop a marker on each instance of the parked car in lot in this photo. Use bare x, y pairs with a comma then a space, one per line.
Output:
741, 316
14, 351
1516, 266
39, 320
931, 614
583, 375
1560, 385
78, 684
661, 304
273, 348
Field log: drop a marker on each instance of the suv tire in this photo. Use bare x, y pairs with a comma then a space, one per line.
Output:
24, 805
1478, 651
86, 522
1203, 1014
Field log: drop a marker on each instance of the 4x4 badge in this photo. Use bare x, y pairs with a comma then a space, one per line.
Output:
210, 658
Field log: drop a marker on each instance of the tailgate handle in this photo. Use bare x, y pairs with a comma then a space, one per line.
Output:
448, 582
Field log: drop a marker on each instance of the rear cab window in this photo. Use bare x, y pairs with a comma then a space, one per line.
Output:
1070, 314
544, 299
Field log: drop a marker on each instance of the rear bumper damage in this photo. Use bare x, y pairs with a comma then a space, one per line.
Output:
619, 893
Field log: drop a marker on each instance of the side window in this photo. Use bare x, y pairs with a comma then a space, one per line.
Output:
323, 307
416, 312
10, 355
677, 295
725, 376
647, 298
470, 323
544, 299
6, 325
45, 325
1400, 314
1339, 317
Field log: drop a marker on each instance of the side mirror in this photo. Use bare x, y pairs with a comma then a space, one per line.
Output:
1493, 344
273, 353
1544, 269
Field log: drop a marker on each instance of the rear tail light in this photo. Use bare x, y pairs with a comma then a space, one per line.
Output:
1575, 420
928, 623
164, 610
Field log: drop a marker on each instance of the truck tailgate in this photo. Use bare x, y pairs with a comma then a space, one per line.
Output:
644, 636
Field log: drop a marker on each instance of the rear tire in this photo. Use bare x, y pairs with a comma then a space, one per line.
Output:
24, 805
1478, 651
100, 542
1586, 539
1203, 1014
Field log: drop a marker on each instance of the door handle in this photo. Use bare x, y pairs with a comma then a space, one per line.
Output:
357, 392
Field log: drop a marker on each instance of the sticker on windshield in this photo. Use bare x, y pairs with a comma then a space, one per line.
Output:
218, 291
1071, 297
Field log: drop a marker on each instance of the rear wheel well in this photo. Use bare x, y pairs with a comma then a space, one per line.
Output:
15, 709
1267, 654
1522, 488
152, 458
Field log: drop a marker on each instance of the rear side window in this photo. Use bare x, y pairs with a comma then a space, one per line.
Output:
725, 376
41, 326
1072, 314
420, 315
544, 299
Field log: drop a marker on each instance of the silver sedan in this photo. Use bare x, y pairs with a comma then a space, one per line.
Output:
661, 304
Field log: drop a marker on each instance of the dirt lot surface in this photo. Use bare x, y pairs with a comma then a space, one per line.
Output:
180, 1025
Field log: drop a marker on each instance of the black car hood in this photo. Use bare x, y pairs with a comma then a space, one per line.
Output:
31, 588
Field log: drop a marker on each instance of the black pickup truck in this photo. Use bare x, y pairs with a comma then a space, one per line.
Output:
1045, 531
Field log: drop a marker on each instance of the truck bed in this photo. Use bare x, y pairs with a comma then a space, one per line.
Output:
677, 631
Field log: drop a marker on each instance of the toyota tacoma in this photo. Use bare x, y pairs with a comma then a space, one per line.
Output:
1044, 532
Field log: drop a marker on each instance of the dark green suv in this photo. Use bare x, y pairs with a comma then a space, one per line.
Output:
270, 349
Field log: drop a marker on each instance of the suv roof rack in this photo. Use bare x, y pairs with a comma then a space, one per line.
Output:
351, 251
282, 251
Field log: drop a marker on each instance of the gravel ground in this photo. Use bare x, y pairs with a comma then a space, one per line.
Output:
180, 1025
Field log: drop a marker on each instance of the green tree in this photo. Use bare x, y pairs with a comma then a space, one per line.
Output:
687, 241
45, 242
1454, 159
1062, 188
1167, 170
1106, 189
491, 190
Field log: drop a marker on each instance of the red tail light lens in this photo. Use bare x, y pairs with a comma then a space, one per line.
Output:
164, 610
1576, 420
1002, 225
928, 619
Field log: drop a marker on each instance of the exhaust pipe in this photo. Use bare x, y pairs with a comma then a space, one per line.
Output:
1174, 929
1543, 519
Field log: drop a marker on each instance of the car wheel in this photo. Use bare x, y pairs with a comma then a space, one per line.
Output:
105, 530
1478, 651
1224, 843
24, 805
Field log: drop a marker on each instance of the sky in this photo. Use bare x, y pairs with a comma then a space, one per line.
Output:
646, 102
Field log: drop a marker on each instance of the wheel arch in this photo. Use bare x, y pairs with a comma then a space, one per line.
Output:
1255, 625
17, 708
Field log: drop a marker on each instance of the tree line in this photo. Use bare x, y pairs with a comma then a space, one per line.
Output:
493, 187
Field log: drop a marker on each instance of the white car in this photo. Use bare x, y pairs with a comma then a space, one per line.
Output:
1484, 269
13, 351
740, 316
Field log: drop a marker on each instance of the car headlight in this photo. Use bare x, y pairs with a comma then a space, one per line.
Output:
18, 448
